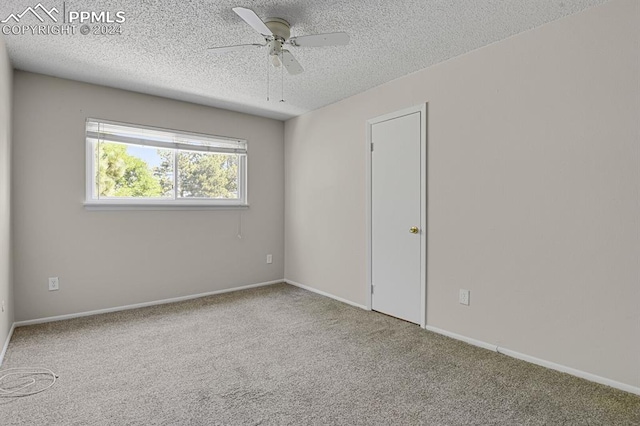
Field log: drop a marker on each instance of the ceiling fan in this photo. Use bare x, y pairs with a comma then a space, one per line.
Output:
277, 34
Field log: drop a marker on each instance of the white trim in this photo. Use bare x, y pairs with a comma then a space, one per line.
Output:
544, 363
93, 139
133, 205
141, 305
396, 114
166, 130
324, 293
574, 372
6, 343
422, 109
465, 339
424, 195
89, 167
368, 221
547, 364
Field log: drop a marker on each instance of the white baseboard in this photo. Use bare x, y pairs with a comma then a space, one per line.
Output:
548, 364
6, 343
466, 339
544, 363
141, 305
578, 373
323, 293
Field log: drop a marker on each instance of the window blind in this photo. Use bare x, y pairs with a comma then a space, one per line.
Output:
106, 131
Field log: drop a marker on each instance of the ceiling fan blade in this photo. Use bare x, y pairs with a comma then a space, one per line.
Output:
290, 63
225, 49
250, 17
317, 40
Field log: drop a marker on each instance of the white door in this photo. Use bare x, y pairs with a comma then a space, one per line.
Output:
397, 196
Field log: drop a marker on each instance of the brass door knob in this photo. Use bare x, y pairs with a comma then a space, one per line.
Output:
413, 229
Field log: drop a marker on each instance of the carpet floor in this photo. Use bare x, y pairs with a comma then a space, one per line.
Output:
280, 355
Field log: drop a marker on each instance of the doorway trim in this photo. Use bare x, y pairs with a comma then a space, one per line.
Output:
422, 109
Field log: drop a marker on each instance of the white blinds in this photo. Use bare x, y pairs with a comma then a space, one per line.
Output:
107, 131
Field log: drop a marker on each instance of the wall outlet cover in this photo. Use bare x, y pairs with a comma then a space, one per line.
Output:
464, 297
54, 284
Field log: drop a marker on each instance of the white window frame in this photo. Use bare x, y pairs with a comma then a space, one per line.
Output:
92, 202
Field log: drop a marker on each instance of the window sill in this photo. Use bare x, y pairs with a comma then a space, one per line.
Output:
97, 206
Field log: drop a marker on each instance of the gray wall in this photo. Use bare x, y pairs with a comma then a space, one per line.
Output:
533, 191
113, 258
6, 287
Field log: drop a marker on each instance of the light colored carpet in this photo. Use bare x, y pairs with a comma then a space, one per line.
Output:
280, 355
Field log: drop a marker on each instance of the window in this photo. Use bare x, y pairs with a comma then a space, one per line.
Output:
129, 165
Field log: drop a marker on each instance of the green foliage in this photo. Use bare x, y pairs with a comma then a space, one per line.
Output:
207, 175
122, 175
200, 175
164, 172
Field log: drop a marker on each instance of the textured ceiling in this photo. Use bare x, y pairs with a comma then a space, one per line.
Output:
162, 48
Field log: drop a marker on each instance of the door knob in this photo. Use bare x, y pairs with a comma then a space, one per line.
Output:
413, 229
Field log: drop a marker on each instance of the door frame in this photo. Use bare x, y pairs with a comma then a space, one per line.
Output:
422, 109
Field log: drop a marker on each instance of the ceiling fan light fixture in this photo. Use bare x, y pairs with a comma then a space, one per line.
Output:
275, 47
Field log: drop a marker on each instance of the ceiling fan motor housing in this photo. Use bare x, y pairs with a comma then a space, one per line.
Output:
279, 27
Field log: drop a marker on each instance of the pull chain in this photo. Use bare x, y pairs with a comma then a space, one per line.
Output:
282, 74
268, 78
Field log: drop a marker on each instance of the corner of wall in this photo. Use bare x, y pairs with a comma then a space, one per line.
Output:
6, 270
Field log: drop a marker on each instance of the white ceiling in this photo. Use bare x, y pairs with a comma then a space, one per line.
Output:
162, 50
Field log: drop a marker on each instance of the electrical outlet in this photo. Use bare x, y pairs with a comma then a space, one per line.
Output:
54, 284
269, 258
463, 298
